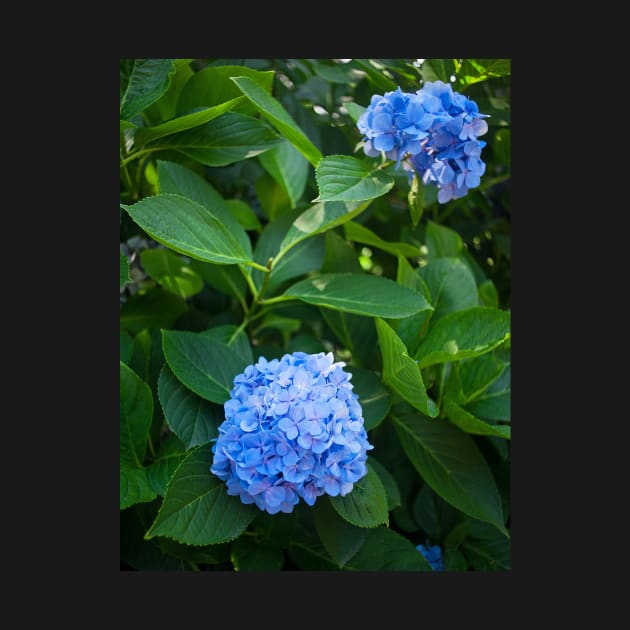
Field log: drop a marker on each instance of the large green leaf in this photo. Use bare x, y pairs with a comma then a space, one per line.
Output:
273, 198
234, 337
183, 123
450, 462
169, 270
345, 178
374, 398
165, 107
477, 374
320, 218
174, 178
188, 228
288, 167
193, 419
401, 372
124, 271
274, 111
244, 214
167, 459
229, 138
136, 413
435, 516
451, 285
340, 539
203, 364
355, 333
303, 258
366, 504
467, 422
126, 346
386, 550
360, 234
153, 308
197, 509
143, 81
359, 293
464, 334
492, 406
134, 486
486, 549
442, 241
212, 86
340, 255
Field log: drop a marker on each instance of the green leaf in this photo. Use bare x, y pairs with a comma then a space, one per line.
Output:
288, 167
124, 270
193, 419
273, 111
340, 539
136, 413
229, 138
415, 199
442, 241
435, 516
360, 234
169, 270
167, 459
253, 555
183, 123
477, 374
451, 285
392, 492
485, 549
234, 338
463, 334
134, 486
492, 406
303, 258
126, 346
143, 81
468, 423
358, 293
344, 178
386, 550
174, 178
354, 110
244, 214
320, 218
227, 279
450, 462
375, 74
374, 398
197, 509
401, 372
165, 107
366, 504
188, 228
488, 295
437, 70
455, 560
204, 365
212, 86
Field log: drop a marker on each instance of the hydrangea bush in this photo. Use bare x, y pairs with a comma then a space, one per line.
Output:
315, 314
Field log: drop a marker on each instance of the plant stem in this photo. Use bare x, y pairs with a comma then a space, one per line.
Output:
276, 300
250, 282
137, 154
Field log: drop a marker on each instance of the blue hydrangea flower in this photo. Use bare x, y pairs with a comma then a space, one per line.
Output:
434, 132
433, 555
293, 429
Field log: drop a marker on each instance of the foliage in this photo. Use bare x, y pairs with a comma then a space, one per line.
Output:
253, 224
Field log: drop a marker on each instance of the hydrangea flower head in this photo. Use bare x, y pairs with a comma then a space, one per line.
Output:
434, 131
433, 555
293, 429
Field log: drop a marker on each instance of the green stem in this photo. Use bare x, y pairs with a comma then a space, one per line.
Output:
255, 265
265, 282
137, 154
151, 448
276, 300
250, 282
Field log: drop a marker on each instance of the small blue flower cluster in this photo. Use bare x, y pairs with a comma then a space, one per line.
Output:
436, 128
293, 429
433, 555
